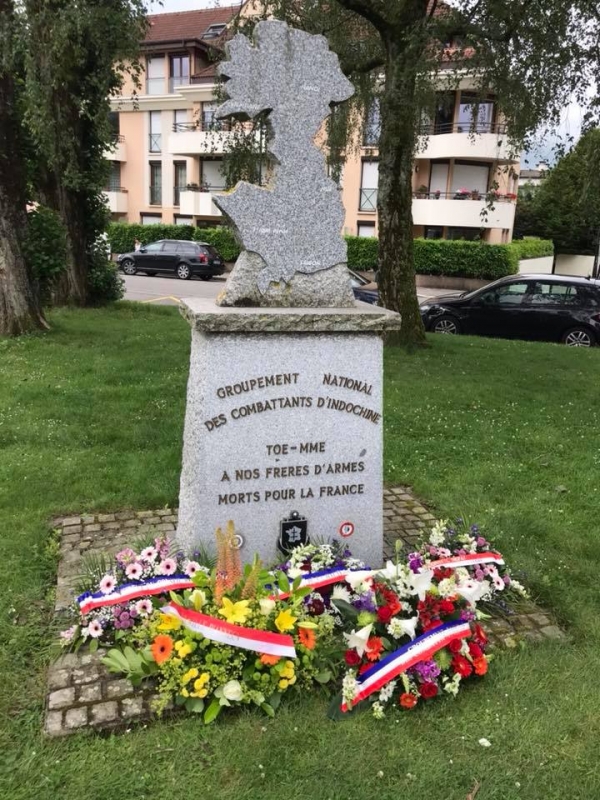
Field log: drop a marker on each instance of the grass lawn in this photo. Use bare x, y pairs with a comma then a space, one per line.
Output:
504, 433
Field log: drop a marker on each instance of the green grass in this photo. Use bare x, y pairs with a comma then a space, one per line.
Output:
91, 419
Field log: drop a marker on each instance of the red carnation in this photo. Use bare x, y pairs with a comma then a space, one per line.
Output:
461, 665
428, 690
455, 645
434, 623
352, 658
384, 614
364, 668
480, 635
441, 573
475, 651
446, 607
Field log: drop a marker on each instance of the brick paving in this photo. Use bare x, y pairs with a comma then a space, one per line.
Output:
82, 694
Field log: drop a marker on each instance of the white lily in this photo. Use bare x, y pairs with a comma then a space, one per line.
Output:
473, 591
421, 582
357, 640
408, 626
357, 577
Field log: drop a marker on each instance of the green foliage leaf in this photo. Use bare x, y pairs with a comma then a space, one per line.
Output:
346, 609
269, 710
323, 677
212, 712
443, 659
195, 705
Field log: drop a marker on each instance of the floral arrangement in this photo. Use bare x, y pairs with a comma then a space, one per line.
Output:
220, 635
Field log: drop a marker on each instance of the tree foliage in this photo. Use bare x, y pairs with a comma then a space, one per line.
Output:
533, 56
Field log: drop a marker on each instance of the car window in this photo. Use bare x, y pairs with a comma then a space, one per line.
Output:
556, 294
509, 294
154, 247
209, 250
187, 249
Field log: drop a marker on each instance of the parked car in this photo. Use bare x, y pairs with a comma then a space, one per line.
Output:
554, 308
363, 288
183, 258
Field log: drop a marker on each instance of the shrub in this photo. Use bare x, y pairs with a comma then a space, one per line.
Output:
45, 248
104, 284
122, 235
464, 259
220, 237
362, 252
533, 248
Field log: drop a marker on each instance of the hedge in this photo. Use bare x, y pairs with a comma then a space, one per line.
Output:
122, 236
462, 259
533, 248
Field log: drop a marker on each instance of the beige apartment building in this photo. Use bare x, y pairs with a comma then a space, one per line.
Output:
168, 154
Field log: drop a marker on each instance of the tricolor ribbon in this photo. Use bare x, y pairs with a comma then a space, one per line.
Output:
129, 591
317, 580
420, 649
217, 630
470, 560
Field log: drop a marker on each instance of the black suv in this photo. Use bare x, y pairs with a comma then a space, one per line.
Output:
177, 256
552, 308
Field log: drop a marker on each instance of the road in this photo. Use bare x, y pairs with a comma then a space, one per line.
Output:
169, 291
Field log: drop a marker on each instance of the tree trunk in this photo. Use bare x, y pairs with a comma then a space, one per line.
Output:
397, 286
71, 287
20, 310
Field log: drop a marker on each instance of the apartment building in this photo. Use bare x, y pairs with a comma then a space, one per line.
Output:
168, 154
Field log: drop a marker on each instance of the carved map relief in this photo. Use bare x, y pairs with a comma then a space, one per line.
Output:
291, 230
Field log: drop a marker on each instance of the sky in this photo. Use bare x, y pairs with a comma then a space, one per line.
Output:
541, 151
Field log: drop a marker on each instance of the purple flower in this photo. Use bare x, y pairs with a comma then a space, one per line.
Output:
481, 542
506, 579
365, 602
479, 574
466, 615
126, 556
415, 562
428, 670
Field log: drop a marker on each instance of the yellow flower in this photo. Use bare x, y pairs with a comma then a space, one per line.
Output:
189, 675
292, 681
202, 680
198, 598
235, 612
185, 693
283, 684
183, 649
169, 623
285, 621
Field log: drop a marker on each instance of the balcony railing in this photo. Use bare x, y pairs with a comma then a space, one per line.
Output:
156, 195
204, 187
368, 200
468, 195
177, 194
175, 83
113, 187
155, 142
202, 79
434, 129
155, 85
206, 124
117, 138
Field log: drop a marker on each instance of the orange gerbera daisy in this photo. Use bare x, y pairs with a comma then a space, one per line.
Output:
480, 665
408, 700
374, 648
161, 648
307, 638
269, 661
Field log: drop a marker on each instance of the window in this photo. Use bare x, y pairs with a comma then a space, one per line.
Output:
154, 136
475, 115
210, 121
467, 234
180, 180
187, 249
366, 229
372, 130
470, 179
368, 186
433, 232
114, 122
181, 220
557, 294
444, 112
212, 177
155, 183
213, 31
114, 178
438, 178
155, 247
155, 75
180, 120
511, 294
150, 219
180, 72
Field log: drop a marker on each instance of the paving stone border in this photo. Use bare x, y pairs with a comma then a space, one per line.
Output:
82, 694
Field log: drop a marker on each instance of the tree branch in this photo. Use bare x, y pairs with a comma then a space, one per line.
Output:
350, 68
371, 10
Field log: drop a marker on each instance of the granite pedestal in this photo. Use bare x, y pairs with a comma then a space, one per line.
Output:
284, 413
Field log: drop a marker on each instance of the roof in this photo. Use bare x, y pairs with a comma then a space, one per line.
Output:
181, 25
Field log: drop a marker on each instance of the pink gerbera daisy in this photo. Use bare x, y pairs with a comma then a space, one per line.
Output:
149, 553
144, 607
134, 571
167, 567
95, 629
191, 568
107, 584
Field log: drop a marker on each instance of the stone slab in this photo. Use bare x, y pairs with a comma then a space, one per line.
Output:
283, 422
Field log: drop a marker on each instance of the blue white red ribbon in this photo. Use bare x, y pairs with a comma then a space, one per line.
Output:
422, 648
217, 630
162, 584
317, 580
468, 560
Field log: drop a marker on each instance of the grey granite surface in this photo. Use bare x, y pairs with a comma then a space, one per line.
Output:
294, 225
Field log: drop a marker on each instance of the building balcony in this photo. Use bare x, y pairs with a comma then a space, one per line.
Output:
117, 150
198, 203
189, 139
486, 142
462, 211
117, 199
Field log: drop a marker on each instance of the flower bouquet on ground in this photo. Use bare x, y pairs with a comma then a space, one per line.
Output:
209, 639
411, 628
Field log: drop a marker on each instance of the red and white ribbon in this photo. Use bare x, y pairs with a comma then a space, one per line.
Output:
469, 560
421, 649
217, 630
131, 591
316, 580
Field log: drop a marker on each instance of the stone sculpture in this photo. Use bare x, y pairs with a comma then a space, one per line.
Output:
291, 229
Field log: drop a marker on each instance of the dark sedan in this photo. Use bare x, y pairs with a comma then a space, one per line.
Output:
553, 308
177, 256
364, 289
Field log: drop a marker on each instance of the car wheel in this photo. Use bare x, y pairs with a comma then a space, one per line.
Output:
128, 266
578, 337
446, 324
205, 277
183, 272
